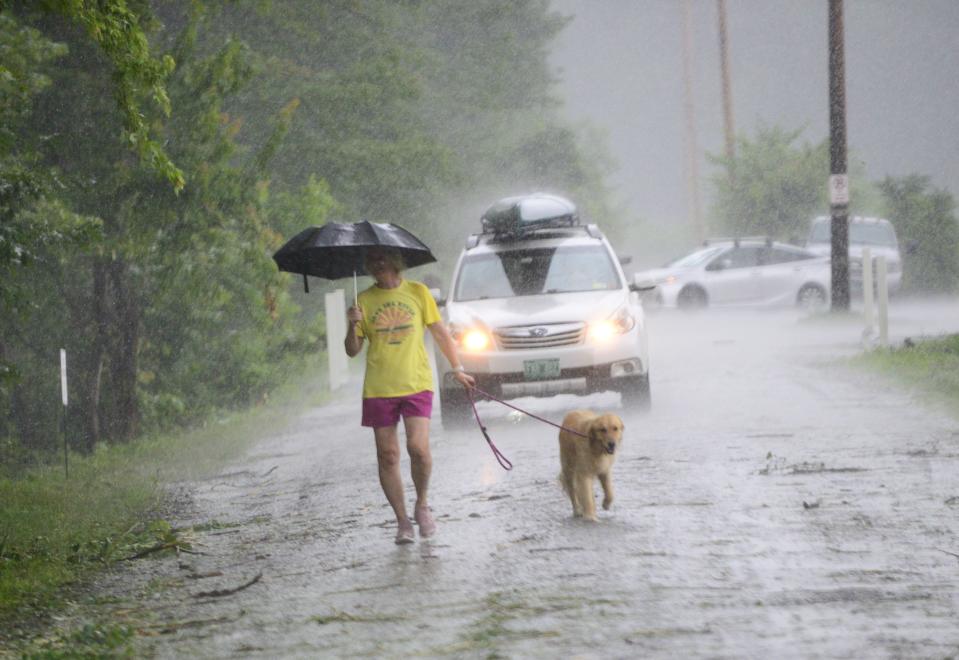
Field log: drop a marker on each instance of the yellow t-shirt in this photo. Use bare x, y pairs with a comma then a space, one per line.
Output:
393, 322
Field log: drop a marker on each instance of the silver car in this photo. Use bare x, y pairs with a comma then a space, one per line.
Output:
741, 272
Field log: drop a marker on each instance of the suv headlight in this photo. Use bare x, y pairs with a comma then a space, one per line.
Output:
470, 339
619, 323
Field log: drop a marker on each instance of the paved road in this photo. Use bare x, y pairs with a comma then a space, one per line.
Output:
773, 504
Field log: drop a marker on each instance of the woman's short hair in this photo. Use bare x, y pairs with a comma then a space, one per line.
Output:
392, 256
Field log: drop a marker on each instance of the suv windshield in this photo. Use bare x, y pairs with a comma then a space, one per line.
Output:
860, 233
529, 272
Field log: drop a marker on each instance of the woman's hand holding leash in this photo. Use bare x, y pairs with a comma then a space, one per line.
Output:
464, 378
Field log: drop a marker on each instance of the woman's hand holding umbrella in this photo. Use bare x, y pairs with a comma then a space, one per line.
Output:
353, 343
354, 314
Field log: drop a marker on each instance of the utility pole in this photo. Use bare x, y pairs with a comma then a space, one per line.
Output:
728, 128
838, 179
692, 149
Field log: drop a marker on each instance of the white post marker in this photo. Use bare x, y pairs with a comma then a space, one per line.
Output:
63, 417
63, 376
868, 314
338, 362
882, 286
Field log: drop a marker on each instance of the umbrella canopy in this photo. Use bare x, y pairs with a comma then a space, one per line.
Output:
337, 250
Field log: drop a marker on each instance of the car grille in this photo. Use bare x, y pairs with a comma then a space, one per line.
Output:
540, 336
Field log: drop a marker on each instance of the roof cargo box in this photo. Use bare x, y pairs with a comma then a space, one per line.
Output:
515, 215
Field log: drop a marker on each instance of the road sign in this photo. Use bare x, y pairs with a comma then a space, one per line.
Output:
838, 189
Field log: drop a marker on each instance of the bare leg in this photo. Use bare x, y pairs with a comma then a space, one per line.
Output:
421, 461
388, 460
606, 481
421, 465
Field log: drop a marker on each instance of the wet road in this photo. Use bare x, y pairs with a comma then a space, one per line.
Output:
772, 504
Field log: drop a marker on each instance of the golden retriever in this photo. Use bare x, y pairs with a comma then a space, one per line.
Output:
584, 459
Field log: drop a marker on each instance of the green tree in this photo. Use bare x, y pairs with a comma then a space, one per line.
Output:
118, 28
416, 113
33, 225
27, 57
176, 301
925, 220
277, 117
774, 186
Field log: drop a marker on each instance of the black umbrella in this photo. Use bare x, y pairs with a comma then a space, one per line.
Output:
337, 249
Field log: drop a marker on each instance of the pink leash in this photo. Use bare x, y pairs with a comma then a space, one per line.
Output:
500, 458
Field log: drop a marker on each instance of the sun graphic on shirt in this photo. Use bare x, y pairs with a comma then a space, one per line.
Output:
394, 324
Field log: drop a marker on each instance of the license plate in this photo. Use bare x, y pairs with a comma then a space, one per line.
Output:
540, 369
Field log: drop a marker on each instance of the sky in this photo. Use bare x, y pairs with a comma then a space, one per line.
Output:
619, 63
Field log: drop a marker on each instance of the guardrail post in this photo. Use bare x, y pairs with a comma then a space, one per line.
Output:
882, 286
335, 306
868, 313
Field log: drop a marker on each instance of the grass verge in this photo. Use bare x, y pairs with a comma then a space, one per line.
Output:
55, 531
931, 366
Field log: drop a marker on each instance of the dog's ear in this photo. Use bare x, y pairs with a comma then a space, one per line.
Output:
592, 429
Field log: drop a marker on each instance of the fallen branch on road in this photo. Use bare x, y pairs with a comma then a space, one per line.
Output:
150, 630
948, 553
217, 593
162, 546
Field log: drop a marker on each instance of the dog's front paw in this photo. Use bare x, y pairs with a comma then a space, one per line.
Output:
607, 502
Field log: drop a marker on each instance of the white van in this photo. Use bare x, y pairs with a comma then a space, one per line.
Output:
877, 234
538, 306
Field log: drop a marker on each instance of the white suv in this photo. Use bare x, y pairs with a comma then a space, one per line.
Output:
539, 306
877, 234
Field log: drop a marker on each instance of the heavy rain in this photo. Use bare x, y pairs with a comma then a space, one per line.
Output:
491, 329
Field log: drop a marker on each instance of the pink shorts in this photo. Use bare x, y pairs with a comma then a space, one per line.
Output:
387, 410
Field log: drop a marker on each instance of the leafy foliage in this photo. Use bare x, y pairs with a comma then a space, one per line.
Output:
162, 289
925, 220
118, 31
774, 186
416, 113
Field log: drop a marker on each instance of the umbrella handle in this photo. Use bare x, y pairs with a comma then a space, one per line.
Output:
354, 288
306, 284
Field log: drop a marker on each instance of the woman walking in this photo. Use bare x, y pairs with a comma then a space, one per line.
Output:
398, 383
